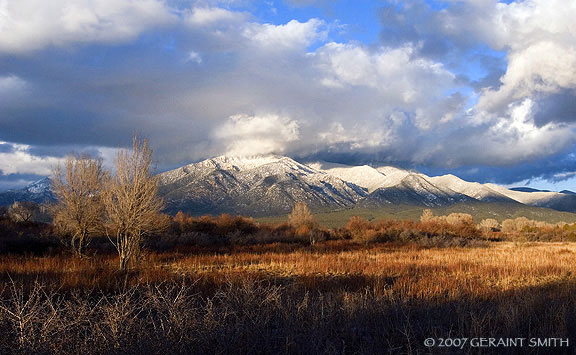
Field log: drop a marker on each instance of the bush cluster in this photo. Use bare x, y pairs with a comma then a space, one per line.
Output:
429, 232
226, 230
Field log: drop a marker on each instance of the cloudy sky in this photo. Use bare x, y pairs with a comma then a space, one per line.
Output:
480, 88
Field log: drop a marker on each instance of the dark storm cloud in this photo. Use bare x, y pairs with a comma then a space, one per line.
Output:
558, 107
53, 126
555, 168
61, 151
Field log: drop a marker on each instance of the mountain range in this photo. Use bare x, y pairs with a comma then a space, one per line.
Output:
270, 185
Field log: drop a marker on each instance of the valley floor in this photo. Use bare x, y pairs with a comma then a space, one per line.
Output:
335, 297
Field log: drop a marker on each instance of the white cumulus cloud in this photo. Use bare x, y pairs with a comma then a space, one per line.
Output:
292, 35
20, 161
245, 135
27, 25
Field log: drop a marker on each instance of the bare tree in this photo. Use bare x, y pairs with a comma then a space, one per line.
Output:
457, 219
78, 187
303, 222
22, 212
301, 215
132, 203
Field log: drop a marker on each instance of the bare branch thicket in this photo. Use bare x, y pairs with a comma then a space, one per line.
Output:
456, 219
132, 203
23, 211
489, 225
78, 186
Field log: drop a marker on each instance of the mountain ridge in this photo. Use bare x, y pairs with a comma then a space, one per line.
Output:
271, 184
277, 182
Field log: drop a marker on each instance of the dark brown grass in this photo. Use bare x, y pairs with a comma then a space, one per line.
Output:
335, 298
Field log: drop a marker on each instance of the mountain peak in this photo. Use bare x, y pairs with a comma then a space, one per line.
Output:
364, 176
40, 186
233, 162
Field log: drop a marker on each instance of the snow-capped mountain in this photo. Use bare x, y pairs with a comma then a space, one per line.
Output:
561, 201
271, 184
268, 185
254, 185
475, 190
413, 189
364, 176
38, 191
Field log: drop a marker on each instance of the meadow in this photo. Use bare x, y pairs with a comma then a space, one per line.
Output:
228, 285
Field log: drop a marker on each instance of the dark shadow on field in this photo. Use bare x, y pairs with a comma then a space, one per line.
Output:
264, 314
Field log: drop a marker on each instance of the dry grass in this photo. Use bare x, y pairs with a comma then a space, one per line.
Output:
410, 271
335, 297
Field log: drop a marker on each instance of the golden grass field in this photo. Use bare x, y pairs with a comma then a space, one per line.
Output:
397, 270
337, 297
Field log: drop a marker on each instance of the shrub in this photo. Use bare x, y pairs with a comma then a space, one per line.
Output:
489, 225
457, 219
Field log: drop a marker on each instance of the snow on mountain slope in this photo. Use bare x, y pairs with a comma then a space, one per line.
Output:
271, 184
555, 200
395, 177
390, 170
413, 189
204, 167
256, 185
42, 186
420, 184
388, 184
364, 176
472, 189
39, 191
529, 198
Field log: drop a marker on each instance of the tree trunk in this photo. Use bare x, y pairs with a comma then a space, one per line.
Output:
123, 263
81, 242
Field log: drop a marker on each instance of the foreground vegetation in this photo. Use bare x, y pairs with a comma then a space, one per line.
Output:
336, 297
230, 285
